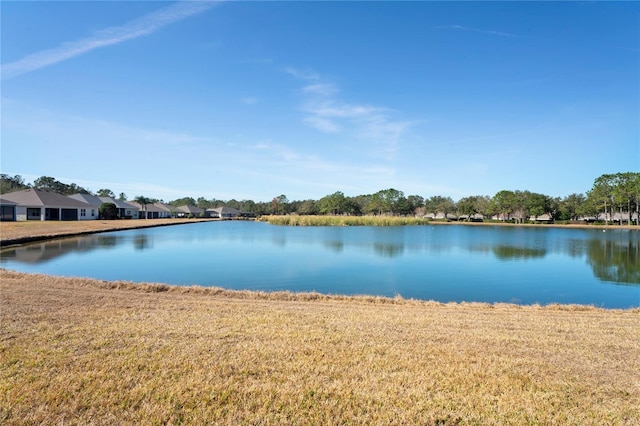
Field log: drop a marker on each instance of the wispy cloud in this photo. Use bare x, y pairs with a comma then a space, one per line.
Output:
327, 112
475, 30
249, 100
140, 27
302, 74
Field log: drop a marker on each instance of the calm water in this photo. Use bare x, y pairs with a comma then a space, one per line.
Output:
444, 263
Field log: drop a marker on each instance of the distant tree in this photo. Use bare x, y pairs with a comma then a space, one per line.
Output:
47, 183
108, 211
122, 196
11, 184
635, 192
537, 204
440, 204
143, 201
333, 204
403, 207
391, 200
184, 201
624, 192
307, 207
504, 202
601, 195
203, 203
279, 204
571, 206
105, 193
360, 203
473, 205
415, 202
352, 207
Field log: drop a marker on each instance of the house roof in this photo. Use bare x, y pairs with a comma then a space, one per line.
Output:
225, 209
190, 209
147, 207
6, 202
545, 216
37, 198
87, 198
119, 203
165, 207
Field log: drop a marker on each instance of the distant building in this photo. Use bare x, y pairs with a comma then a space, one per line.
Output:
224, 212
33, 204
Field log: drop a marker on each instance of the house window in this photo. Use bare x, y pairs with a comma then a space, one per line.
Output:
33, 214
7, 213
93, 212
83, 212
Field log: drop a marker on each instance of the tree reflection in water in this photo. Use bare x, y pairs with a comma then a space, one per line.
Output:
512, 252
614, 260
141, 242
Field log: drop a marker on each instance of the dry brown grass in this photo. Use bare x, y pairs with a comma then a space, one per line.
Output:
11, 232
78, 351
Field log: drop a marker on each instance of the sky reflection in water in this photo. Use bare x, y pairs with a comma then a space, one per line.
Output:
444, 263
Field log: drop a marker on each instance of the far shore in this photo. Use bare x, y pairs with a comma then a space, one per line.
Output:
12, 233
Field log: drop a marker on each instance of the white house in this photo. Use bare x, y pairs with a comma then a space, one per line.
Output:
33, 204
223, 212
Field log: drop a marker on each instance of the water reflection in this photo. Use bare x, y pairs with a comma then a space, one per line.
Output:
43, 252
613, 256
513, 252
388, 250
142, 242
46, 251
334, 245
615, 261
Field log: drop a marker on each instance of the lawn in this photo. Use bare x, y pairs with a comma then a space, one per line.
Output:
79, 351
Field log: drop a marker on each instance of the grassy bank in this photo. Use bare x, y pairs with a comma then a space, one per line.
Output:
32, 230
343, 220
79, 351
313, 220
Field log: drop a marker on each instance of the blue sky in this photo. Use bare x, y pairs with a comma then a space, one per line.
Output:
250, 100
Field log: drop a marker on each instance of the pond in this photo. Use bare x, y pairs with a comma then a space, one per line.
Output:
523, 265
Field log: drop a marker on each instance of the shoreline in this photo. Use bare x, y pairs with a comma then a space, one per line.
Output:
198, 290
33, 231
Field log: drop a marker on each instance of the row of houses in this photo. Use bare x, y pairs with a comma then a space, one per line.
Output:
33, 204
546, 217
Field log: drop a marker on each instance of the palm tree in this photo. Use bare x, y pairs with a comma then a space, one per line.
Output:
143, 201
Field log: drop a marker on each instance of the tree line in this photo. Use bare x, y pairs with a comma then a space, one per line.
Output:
610, 194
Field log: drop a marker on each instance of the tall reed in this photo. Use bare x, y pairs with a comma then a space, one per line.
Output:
343, 220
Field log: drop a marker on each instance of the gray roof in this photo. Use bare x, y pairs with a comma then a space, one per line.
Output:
165, 207
6, 202
225, 209
190, 209
147, 207
87, 198
119, 203
36, 198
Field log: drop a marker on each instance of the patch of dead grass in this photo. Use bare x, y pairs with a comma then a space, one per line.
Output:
81, 351
11, 232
